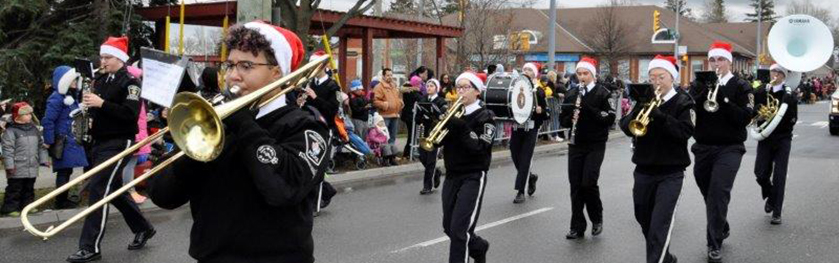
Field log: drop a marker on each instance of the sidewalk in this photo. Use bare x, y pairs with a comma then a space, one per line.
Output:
342, 181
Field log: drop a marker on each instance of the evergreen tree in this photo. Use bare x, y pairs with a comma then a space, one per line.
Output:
715, 12
674, 5
764, 7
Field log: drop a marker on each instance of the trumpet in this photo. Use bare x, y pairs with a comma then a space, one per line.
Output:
197, 129
711, 105
439, 132
638, 126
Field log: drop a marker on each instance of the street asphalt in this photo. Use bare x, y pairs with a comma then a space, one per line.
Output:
388, 221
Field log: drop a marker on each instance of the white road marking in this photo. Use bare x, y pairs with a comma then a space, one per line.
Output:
820, 124
479, 228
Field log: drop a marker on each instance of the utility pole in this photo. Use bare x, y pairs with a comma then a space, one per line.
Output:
552, 36
419, 41
759, 22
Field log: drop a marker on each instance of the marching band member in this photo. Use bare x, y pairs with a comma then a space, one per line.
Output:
467, 153
114, 106
255, 202
439, 106
719, 141
589, 115
523, 139
660, 157
773, 151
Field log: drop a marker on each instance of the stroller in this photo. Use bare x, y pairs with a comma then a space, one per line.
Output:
346, 145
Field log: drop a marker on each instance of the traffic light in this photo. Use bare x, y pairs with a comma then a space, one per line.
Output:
524, 41
656, 20
685, 58
515, 41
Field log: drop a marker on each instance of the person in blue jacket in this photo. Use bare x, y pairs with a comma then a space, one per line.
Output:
57, 124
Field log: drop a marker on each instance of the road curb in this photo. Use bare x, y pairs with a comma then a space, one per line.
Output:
342, 182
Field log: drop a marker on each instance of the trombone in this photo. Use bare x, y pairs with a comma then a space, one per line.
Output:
711, 105
197, 130
638, 126
439, 132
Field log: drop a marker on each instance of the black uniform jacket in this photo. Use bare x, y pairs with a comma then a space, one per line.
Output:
117, 118
596, 114
327, 99
468, 145
255, 202
664, 148
727, 125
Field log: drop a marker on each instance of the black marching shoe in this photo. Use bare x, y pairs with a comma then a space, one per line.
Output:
714, 256
519, 198
776, 220
573, 234
531, 188
425, 191
141, 238
84, 256
674, 259
324, 203
596, 229
437, 174
482, 258
768, 208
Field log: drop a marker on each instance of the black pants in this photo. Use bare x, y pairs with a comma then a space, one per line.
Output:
522, 144
102, 184
583, 171
462, 198
429, 161
19, 193
771, 171
62, 176
655, 198
715, 169
406, 152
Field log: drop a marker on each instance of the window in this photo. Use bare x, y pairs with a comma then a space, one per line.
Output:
696, 65
643, 74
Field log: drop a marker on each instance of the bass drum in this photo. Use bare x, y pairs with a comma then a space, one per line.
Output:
510, 98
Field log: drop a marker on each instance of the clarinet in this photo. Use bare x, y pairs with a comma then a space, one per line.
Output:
572, 135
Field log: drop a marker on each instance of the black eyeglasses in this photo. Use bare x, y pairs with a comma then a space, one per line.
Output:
241, 66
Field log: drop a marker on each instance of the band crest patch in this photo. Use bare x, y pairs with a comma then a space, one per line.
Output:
266, 154
133, 92
316, 147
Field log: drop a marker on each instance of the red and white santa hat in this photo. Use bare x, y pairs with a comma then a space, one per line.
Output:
667, 63
720, 49
589, 64
317, 54
778, 68
531, 66
115, 46
472, 78
288, 49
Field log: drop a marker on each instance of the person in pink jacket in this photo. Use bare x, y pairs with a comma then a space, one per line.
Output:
141, 155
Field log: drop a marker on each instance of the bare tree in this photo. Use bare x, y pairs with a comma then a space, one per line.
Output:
608, 35
485, 24
715, 12
298, 18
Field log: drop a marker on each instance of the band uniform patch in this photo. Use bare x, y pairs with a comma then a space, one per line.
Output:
489, 132
316, 148
266, 154
133, 92
473, 135
751, 101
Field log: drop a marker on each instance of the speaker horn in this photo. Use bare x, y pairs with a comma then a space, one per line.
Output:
800, 43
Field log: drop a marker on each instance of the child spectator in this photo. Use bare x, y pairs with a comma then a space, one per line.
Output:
23, 151
377, 139
360, 108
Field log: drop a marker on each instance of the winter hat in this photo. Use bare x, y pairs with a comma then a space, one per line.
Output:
62, 77
377, 118
20, 108
720, 49
115, 46
435, 82
499, 68
472, 78
355, 85
287, 47
316, 55
416, 81
533, 67
777, 68
589, 64
135, 72
667, 63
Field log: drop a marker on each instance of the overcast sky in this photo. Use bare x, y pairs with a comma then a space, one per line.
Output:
736, 8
